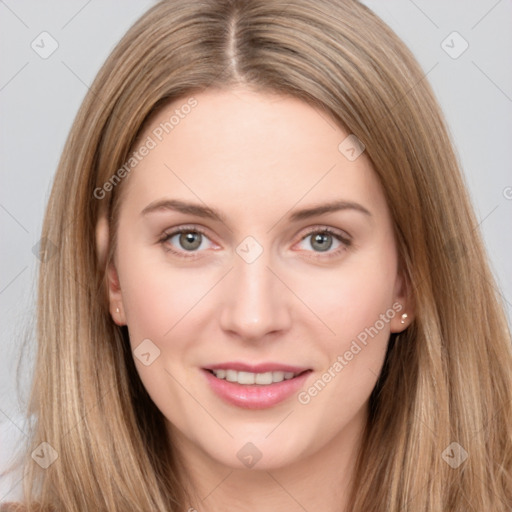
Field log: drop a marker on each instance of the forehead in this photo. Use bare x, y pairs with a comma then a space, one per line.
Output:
248, 149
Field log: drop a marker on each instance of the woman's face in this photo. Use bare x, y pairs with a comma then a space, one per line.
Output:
255, 243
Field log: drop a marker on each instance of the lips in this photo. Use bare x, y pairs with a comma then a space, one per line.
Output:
255, 386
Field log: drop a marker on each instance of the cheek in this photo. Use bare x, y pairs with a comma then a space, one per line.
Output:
352, 298
157, 297
156, 294
161, 304
355, 303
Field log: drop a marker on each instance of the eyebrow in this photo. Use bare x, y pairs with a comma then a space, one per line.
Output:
183, 207
210, 213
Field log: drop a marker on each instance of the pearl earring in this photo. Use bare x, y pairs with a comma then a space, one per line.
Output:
117, 310
404, 317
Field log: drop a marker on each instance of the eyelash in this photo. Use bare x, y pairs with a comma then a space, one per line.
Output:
184, 229
345, 241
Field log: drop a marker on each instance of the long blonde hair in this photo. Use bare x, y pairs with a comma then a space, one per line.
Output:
446, 379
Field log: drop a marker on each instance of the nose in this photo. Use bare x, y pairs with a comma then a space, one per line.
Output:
255, 302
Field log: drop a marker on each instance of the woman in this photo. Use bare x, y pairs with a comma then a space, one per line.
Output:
267, 280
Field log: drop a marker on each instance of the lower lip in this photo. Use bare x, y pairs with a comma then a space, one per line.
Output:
255, 396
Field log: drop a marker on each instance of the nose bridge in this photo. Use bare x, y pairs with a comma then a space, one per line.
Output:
254, 305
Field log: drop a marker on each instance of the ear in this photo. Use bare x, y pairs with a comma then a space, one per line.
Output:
115, 297
403, 304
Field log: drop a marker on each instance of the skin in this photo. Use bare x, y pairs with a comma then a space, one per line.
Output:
257, 158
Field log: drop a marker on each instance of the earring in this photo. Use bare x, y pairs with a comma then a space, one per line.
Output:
404, 317
117, 310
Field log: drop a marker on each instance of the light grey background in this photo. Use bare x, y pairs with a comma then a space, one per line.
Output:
39, 98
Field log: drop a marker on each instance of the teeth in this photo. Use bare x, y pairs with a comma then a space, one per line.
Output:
277, 376
221, 374
263, 378
231, 375
248, 378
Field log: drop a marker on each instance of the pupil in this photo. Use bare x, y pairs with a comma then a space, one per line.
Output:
322, 241
190, 241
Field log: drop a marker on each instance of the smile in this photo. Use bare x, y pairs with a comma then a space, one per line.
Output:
249, 378
255, 387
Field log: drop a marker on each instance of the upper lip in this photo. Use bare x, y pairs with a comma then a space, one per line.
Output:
256, 368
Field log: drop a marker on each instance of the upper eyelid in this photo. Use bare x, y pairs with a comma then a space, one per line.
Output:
328, 229
185, 228
310, 230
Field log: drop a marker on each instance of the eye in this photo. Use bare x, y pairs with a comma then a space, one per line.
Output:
185, 240
324, 241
